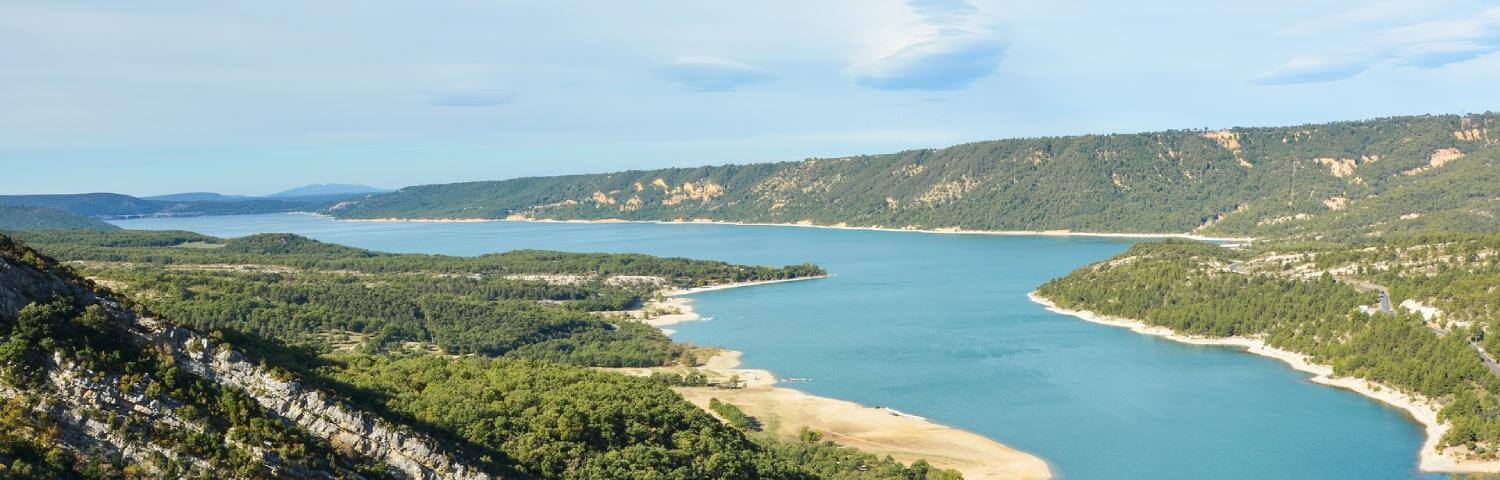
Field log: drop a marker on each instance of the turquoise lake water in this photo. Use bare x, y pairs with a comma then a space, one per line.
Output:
939, 326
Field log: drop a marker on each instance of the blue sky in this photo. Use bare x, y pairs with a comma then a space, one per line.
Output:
151, 97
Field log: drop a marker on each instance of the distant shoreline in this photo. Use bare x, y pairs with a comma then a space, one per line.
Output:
1419, 409
945, 230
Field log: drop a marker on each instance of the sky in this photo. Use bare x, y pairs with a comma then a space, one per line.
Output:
154, 97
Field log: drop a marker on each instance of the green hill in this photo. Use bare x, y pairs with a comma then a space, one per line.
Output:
1428, 173
89, 204
23, 217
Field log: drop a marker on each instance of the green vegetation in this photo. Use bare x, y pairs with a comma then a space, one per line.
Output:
1302, 297
1402, 174
22, 217
303, 292
31, 447
229, 432
287, 250
559, 421
733, 415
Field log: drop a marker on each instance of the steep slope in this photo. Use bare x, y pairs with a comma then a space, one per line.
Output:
1366, 176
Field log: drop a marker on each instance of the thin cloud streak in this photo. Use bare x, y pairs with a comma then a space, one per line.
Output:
1431, 44
712, 74
478, 98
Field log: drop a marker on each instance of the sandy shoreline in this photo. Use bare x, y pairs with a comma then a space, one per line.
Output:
1420, 409
946, 230
726, 286
880, 431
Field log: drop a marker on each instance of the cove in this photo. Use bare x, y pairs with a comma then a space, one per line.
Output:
940, 326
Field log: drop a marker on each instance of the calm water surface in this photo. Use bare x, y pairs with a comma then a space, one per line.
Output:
939, 326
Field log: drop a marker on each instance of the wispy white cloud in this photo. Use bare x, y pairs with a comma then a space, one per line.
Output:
1428, 44
712, 74
474, 98
951, 49
1314, 70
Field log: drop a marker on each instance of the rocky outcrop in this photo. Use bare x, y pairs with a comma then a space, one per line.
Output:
411, 454
89, 409
105, 414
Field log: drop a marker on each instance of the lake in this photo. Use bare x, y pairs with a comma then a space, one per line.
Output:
940, 326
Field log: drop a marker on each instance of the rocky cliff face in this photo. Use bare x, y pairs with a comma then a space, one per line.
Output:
413, 455
113, 416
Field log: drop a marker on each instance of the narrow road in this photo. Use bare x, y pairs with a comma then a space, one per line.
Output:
1488, 360
1385, 306
1385, 293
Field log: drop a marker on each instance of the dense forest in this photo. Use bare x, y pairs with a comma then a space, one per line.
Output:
313, 294
24, 217
1320, 299
292, 251
1402, 174
524, 404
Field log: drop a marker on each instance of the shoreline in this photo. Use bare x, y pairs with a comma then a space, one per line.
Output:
685, 313
806, 224
677, 292
1421, 410
875, 430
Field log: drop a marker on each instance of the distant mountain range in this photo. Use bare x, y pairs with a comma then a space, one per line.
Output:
321, 192
29, 212
325, 189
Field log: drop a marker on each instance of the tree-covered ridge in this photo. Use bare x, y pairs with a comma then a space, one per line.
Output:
1424, 173
23, 217
294, 251
192, 427
325, 296
1319, 299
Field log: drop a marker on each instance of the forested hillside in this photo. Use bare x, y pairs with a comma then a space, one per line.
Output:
1321, 299
1421, 173
301, 334
23, 217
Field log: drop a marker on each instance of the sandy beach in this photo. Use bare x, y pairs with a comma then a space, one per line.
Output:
783, 412
674, 302
1420, 409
